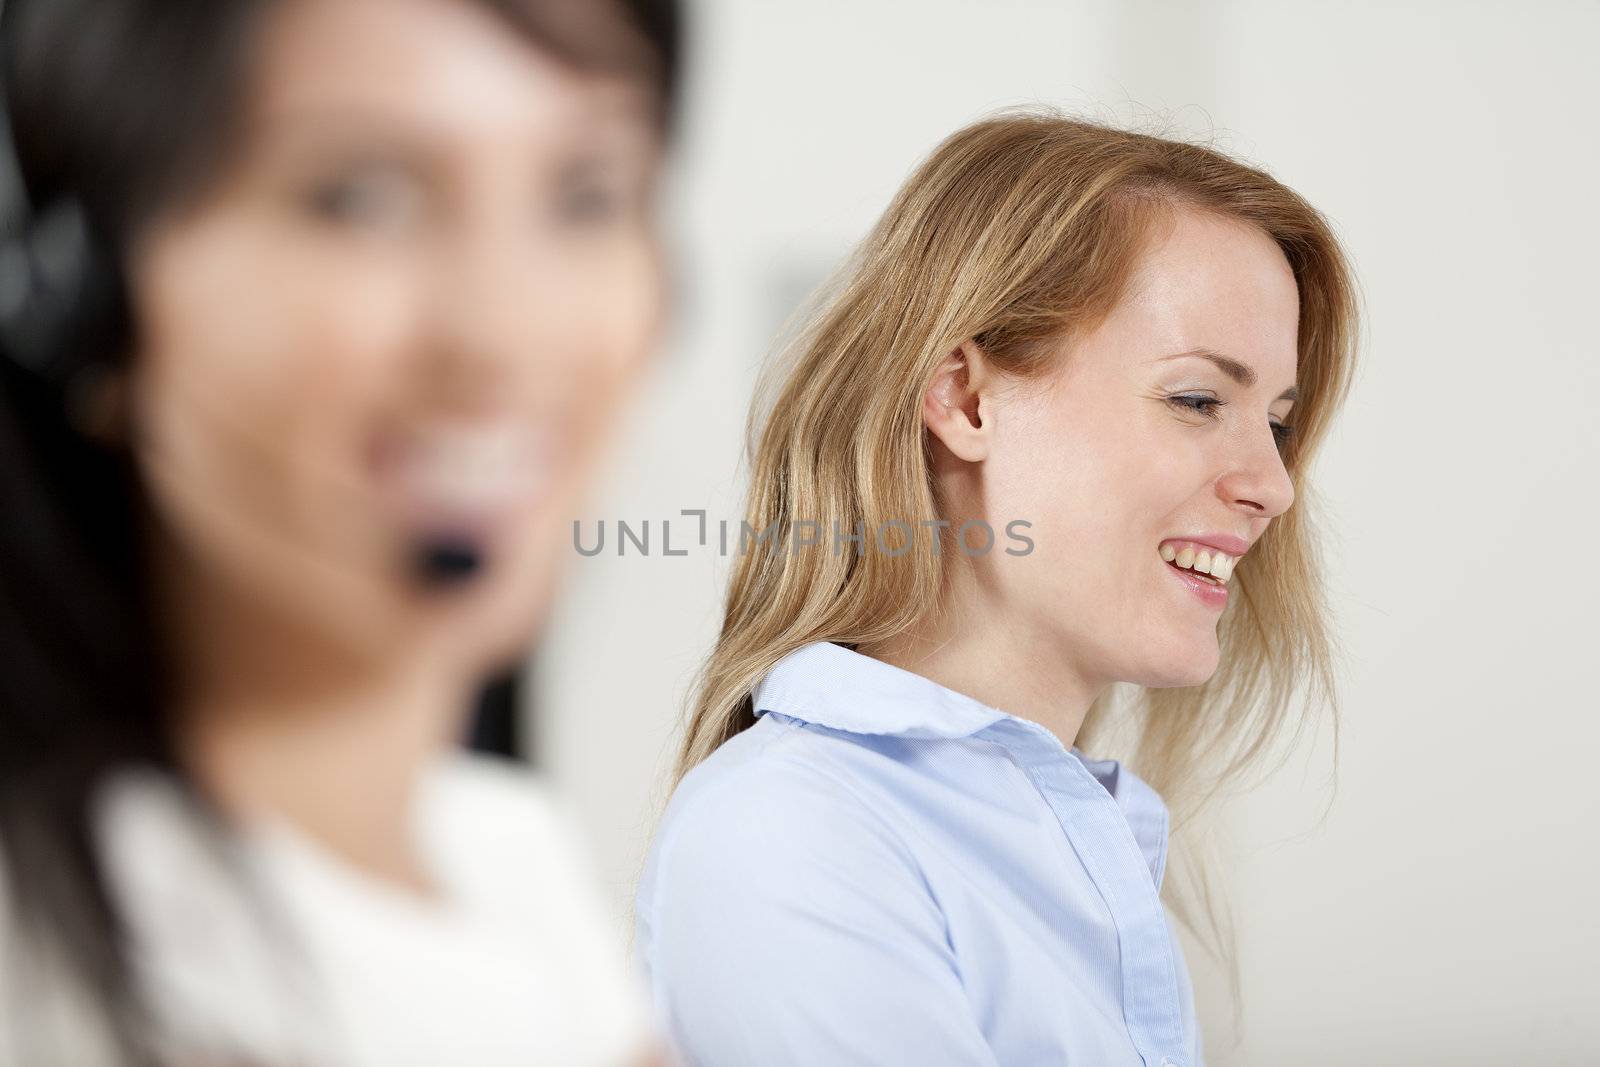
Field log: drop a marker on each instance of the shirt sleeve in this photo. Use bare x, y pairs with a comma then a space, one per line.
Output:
783, 922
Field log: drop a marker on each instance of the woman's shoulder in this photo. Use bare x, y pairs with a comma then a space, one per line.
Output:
784, 761
778, 874
776, 805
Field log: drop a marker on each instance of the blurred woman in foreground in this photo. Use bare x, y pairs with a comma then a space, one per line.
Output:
314, 321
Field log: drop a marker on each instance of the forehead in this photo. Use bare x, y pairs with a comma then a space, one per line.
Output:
451, 64
1207, 281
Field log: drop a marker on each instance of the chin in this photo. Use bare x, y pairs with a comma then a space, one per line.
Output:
498, 629
1183, 668
504, 642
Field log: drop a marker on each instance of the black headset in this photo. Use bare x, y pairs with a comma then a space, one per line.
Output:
59, 284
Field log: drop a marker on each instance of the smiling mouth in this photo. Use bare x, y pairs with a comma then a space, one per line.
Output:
1205, 562
1208, 579
459, 478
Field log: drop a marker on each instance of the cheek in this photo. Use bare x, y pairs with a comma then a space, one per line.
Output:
1066, 471
262, 363
599, 332
258, 375
269, 333
614, 307
597, 327
1097, 485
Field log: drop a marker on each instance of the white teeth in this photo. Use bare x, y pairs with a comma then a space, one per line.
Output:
469, 469
1200, 560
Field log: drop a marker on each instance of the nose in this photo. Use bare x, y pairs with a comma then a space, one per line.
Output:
487, 316
1256, 481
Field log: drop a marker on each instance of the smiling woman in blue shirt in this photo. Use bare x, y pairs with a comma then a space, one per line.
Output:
1054, 425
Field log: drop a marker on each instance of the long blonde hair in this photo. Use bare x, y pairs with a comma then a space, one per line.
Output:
1020, 231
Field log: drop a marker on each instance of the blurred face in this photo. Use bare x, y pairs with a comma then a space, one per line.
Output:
1140, 442
407, 312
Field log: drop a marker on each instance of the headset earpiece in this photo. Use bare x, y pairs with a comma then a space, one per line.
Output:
49, 291
58, 284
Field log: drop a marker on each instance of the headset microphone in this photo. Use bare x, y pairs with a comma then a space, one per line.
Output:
440, 562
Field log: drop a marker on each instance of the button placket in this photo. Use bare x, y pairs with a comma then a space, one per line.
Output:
1099, 832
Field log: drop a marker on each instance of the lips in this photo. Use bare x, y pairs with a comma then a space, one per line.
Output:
1228, 544
461, 477
1213, 596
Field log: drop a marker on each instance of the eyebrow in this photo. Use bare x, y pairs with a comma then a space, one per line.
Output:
1239, 372
319, 123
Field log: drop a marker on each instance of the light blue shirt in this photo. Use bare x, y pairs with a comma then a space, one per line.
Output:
883, 871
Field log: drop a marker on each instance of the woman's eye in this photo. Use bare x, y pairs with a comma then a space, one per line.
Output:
1205, 405
589, 202
594, 192
1209, 405
374, 198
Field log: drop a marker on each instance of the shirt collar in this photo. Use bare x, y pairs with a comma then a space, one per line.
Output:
828, 685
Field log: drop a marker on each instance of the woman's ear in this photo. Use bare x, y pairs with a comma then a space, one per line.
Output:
957, 406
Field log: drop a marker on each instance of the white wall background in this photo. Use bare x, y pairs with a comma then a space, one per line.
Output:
1443, 911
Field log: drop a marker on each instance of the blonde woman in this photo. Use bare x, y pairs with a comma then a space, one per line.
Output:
1051, 434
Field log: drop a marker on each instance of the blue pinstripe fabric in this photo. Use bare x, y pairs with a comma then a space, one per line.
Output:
883, 871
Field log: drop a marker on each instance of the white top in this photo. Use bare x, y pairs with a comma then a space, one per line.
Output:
316, 963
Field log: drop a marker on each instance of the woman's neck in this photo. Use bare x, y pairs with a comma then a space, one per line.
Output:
277, 722
974, 647
339, 764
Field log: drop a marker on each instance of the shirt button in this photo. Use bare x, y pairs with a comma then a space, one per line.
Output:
1169, 1062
